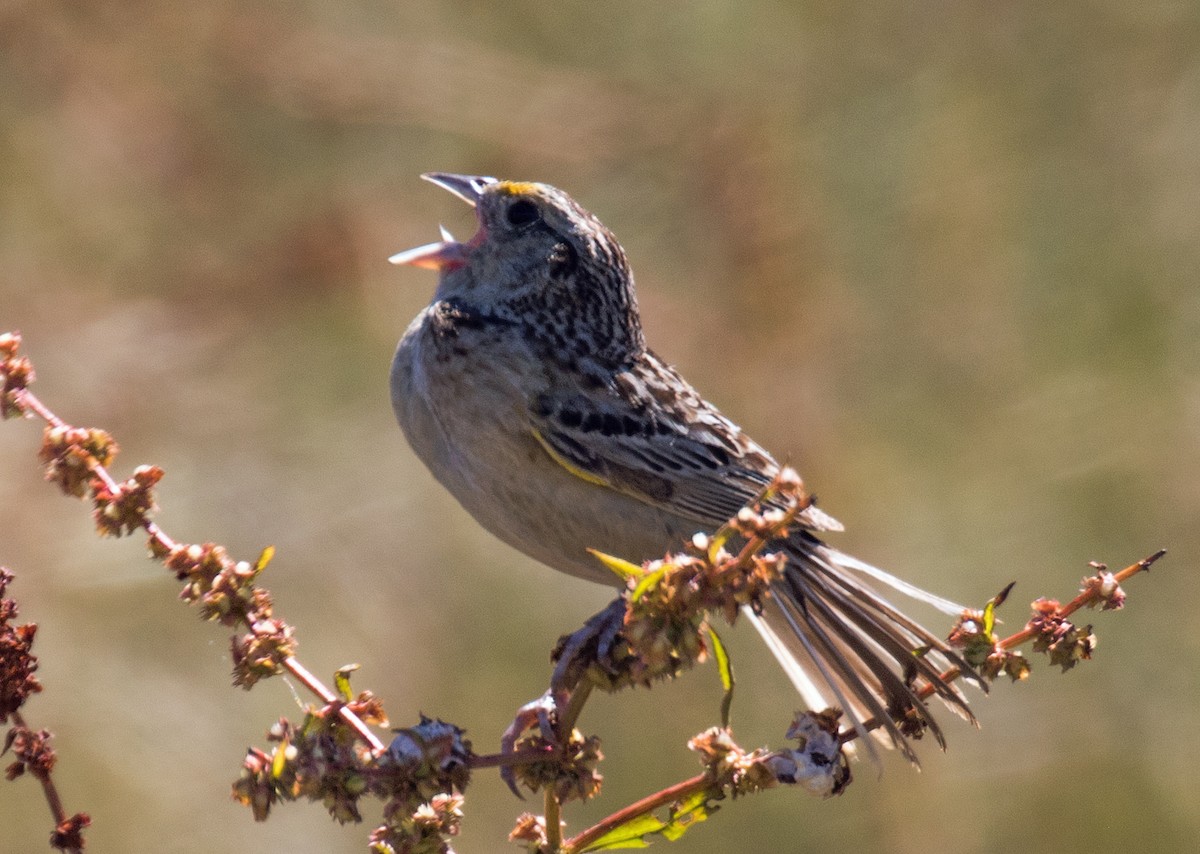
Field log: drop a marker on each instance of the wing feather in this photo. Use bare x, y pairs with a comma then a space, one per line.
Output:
648, 434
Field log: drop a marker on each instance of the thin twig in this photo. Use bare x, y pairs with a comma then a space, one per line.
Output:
30, 402
53, 800
514, 757
1085, 597
678, 792
570, 715
553, 816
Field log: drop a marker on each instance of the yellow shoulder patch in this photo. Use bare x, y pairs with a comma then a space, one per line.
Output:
580, 473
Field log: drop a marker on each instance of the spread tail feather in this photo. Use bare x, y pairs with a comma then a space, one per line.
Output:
832, 633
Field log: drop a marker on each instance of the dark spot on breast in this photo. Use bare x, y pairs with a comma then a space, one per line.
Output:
591, 380
450, 316
570, 417
543, 405
612, 425
592, 423
632, 426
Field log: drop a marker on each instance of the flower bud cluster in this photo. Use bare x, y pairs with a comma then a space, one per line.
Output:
425, 831
319, 760
1066, 643
261, 652
569, 768
68, 833
323, 760
982, 650
668, 601
16, 373
731, 768
530, 832
17, 661
70, 455
126, 507
1104, 587
224, 588
32, 751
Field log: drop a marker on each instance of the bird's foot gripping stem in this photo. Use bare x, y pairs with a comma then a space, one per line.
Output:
583, 660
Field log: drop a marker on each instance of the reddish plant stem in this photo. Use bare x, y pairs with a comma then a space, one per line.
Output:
648, 804
644, 806
312, 683
28, 401
48, 788
689, 787
1085, 597
516, 757
750, 548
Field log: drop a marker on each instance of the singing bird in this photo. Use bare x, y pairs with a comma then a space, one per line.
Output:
527, 389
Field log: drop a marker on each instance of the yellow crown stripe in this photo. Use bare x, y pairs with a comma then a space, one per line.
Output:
517, 188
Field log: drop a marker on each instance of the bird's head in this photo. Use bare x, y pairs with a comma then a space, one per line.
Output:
537, 258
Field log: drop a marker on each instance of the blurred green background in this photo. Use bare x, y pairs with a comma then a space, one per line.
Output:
942, 258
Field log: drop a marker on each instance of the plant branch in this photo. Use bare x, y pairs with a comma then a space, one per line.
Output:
21, 399
1093, 593
678, 792
49, 790
31, 749
553, 818
660, 630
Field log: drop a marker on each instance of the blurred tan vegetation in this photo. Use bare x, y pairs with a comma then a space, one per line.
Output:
941, 256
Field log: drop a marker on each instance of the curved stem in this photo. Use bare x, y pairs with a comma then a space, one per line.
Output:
648, 804
570, 715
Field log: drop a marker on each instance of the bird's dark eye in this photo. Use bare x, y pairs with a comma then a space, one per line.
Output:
522, 212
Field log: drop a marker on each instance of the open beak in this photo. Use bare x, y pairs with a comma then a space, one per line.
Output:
447, 253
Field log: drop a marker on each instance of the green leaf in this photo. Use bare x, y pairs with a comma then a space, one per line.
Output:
691, 812
648, 581
717, 542
312, 725
989, 618
341, 681
989, 610
279, 759
629, 835
263, 559
623, 568
635, 833
725, 668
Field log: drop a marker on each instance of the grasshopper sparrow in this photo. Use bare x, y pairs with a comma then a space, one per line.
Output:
527, 389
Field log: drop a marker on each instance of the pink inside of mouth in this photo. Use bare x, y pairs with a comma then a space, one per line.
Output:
444, 255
